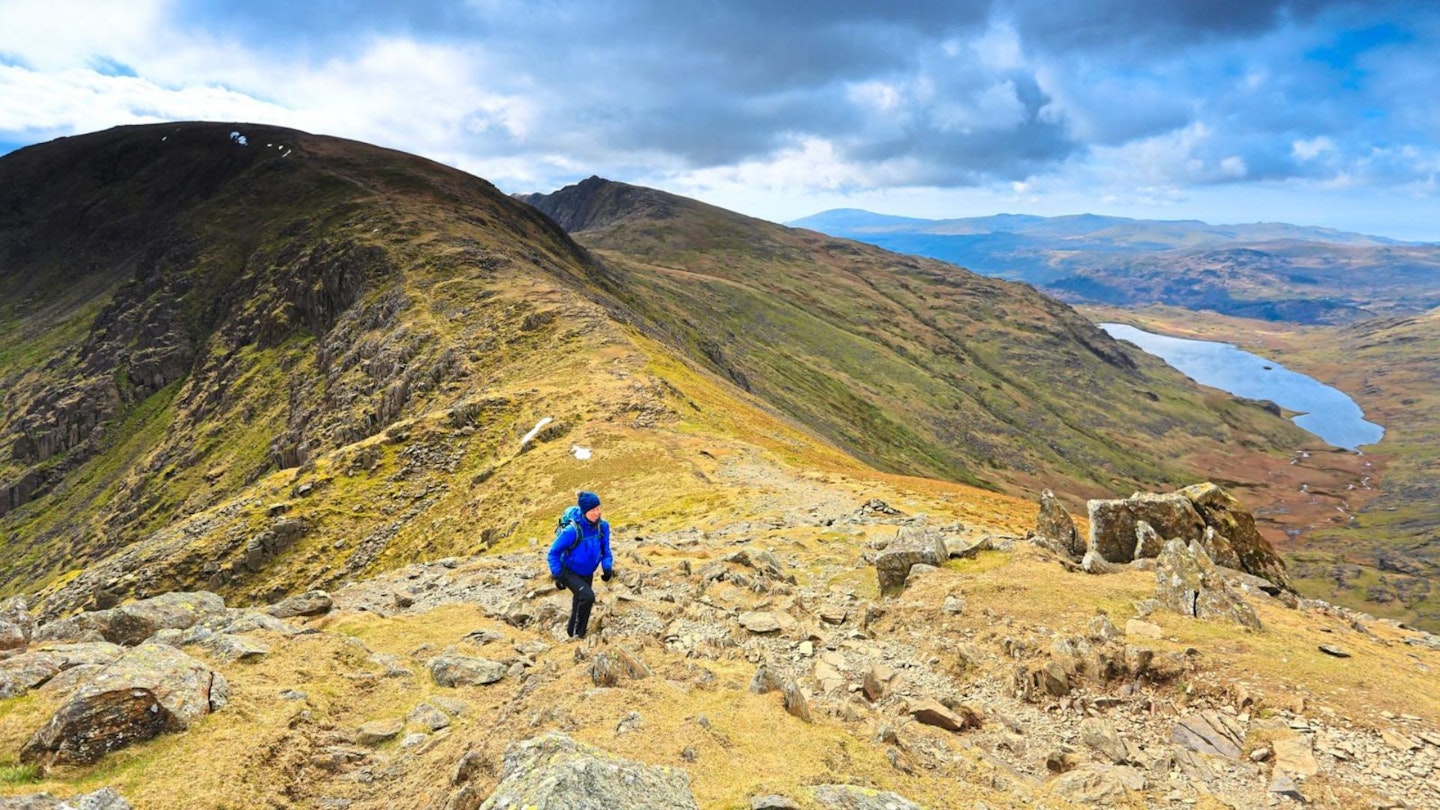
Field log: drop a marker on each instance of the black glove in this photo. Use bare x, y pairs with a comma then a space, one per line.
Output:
559, 584
607, 574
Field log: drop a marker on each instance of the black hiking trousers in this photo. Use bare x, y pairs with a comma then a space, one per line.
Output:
582, 599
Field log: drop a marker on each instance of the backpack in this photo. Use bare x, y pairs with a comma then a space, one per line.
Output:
571, 515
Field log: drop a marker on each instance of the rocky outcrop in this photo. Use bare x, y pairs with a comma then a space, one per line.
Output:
149, 691
554, 772
1131, 528
1234, 524
910, 547
1055, 528
1187, 582
16, 623
133, 623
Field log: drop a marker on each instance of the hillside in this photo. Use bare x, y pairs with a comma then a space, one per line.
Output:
916, 366
347, 391
1269, 271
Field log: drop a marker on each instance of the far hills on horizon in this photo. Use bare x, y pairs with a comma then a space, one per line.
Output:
1272, 271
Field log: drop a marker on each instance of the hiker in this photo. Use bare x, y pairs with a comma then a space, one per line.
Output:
580, 547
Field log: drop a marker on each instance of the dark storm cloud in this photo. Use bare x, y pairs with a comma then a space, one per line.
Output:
717, 83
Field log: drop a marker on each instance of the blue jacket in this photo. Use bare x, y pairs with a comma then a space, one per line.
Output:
592, 552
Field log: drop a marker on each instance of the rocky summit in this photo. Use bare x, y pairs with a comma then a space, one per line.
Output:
288, 422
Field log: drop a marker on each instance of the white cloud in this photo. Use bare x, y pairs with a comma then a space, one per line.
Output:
61, 34
1312, 148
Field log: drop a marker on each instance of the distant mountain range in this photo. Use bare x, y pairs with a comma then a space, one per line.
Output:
1273, 271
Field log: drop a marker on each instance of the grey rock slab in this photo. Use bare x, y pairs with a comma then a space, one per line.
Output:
1113, 523
934, 713
379, 731
103, 799
554, 772
850, 797
457, 670
1187, 582
16, 623
773, 802
429, 717
1209, 733
759, 622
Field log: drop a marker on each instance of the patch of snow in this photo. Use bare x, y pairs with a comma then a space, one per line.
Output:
539, 426
238, 138
582, 453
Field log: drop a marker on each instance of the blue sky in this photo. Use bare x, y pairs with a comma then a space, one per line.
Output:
1313, 112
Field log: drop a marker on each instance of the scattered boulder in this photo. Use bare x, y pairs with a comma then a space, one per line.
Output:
150, 690
1097, 785
610, 667
310, 603
1187, 582
934, 713
379, 731
459, 670
428, 716
773, 803
796, 704
16, 623
1295, 755
103, 799
880, 681
910, 546
850, 797
1104, 739
759, 622
1057, 528
554, 772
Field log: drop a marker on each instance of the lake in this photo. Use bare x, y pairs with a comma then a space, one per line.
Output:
1326, 412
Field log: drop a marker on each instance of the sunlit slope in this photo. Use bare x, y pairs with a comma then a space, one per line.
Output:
914, 365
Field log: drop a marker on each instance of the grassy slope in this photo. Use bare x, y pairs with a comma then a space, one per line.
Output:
914, 365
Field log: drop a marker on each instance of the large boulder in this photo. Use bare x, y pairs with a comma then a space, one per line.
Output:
554, 772
23, 672
1253, 554
1056, 528
1187, 582
1113, 523
16, 623
148, 691
910, 547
